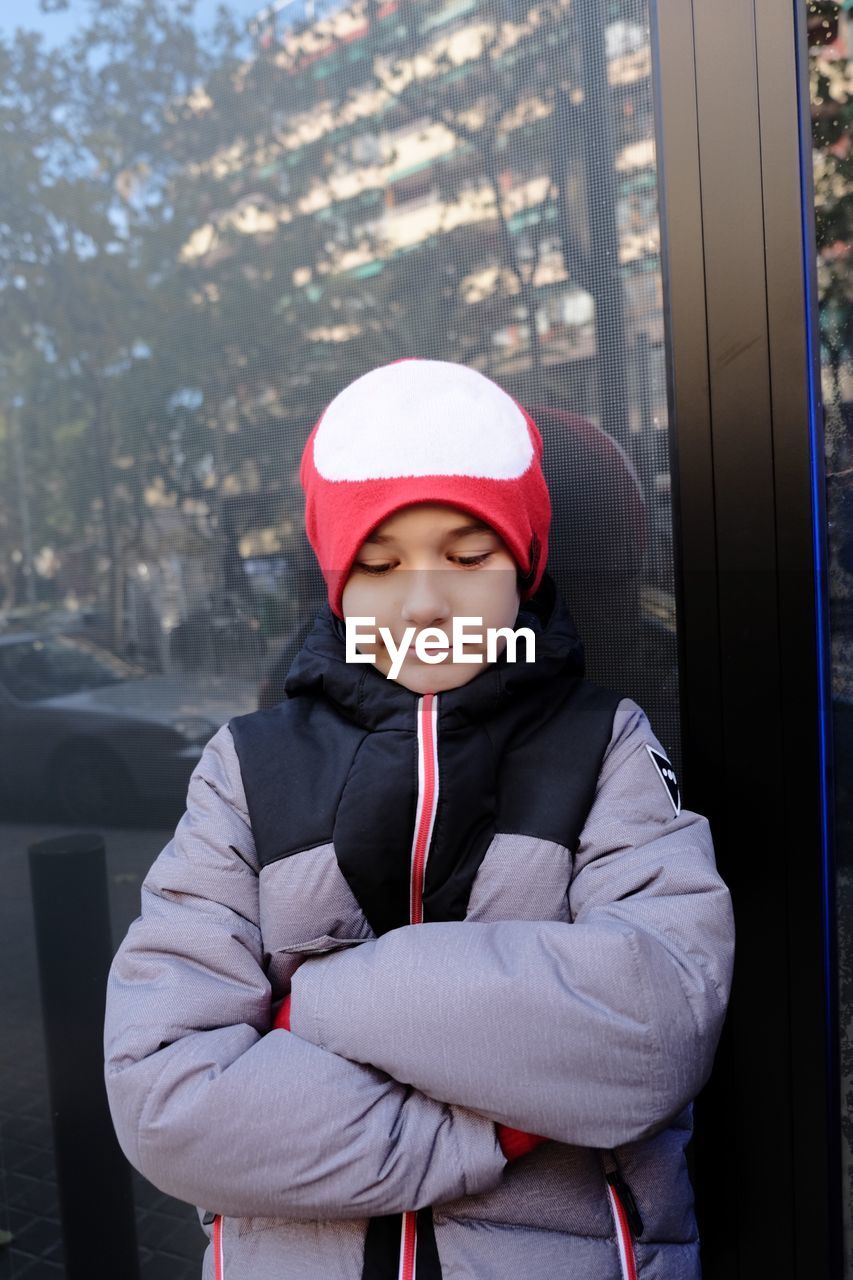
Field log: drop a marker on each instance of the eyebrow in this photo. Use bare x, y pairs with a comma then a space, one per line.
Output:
476, 526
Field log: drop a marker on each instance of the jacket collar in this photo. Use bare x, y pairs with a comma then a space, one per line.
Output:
362, 694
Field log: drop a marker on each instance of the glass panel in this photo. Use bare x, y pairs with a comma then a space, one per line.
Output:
208, 229
830, 28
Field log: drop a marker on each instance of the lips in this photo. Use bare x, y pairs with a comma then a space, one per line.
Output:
431, 647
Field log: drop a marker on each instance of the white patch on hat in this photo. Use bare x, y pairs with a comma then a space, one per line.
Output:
422, 418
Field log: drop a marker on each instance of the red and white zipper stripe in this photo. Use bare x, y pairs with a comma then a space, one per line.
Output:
408, 1247
424, 823
218, 1263
624, 1242
427, 803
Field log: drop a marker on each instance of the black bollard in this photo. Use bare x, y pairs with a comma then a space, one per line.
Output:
73, 939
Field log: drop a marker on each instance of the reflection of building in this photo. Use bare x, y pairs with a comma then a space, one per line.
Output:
382, 142
502, 170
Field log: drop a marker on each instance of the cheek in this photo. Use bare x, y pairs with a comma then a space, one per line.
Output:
363, 597
359, 596
496, 598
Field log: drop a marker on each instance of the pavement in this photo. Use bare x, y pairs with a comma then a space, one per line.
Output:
170, 1238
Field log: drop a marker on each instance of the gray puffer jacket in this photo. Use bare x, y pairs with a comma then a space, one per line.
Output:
490, 908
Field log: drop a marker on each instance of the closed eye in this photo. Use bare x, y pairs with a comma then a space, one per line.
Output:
469, 560
465, 561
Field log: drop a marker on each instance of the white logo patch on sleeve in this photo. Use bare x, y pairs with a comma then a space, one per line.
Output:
667, 777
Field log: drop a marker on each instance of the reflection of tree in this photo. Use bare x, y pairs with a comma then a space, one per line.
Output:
832, 108
211, 244
831, 74
79, 313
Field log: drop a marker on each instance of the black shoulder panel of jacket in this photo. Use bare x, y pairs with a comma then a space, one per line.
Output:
550, 764
295, 759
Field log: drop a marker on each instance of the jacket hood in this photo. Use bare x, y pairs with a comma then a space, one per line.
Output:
364, 695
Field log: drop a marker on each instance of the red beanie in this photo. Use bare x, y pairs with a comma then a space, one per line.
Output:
419, 430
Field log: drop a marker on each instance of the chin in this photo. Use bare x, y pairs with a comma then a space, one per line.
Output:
422, 678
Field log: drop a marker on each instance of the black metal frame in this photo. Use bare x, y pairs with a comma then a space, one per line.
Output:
734, 159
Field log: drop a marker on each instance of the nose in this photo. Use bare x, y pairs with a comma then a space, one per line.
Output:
425, 602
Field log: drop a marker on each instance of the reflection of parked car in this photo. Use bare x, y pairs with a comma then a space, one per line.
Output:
218, 636
91, 735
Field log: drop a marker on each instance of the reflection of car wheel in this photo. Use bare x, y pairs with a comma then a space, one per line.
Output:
89, 784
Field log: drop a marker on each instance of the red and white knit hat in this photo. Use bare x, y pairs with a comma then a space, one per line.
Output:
418, 430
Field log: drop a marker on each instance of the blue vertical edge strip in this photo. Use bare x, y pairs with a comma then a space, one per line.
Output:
819, 534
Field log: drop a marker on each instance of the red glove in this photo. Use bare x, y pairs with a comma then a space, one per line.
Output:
515, 1142
282, 1018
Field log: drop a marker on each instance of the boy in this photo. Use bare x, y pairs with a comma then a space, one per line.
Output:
429, 975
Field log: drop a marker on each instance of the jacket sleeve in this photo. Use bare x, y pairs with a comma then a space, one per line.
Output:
598, 1031
212, 1106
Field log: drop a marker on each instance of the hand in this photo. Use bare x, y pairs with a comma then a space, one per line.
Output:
516, 1143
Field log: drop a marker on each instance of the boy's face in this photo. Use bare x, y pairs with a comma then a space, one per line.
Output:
423, 566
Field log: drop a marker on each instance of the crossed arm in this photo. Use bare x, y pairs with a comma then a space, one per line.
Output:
214, 1108
596, 1032
408, 1048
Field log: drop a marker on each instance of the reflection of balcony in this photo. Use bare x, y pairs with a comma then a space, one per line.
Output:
630, 68
389, 191
563, 346
448, 12
437, 64
418, 148
416, 152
